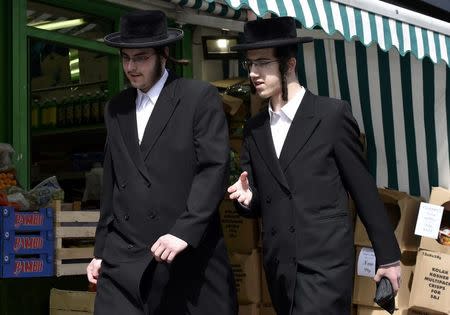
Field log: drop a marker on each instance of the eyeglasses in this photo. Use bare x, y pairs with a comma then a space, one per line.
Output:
139, 59
260, 64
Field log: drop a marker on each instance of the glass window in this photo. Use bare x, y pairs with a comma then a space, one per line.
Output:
67, 98
68, 22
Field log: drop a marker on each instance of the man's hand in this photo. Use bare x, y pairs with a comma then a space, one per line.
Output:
93, 270
241, 190
393, 273
167, 247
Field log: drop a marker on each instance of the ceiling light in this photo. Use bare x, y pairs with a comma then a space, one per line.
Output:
61, 24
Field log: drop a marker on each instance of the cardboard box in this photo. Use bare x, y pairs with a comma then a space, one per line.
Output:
247, 275
249, 309
431, 286
367, 310
241, 234
265, 295
402, 210
71, 302
364, 287
439, 196
268, 310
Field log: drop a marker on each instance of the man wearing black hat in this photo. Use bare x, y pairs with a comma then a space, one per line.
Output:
300, 157
159, 248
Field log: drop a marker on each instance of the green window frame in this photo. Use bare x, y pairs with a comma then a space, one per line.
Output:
21, 34
14, 115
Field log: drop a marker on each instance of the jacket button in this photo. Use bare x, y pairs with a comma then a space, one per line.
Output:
292, 229
268, 199
130, 246
126, 217
152, 216
123, 185
148, 184
273, 231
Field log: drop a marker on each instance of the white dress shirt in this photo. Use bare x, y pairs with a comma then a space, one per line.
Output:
281, 121
145, 103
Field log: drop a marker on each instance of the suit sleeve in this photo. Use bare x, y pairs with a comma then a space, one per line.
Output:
362, 188
106, 215
253, 210
210, 138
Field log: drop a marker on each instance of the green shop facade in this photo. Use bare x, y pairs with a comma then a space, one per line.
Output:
45, 68
54, 80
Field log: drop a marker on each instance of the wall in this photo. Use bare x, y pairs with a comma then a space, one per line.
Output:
209, 70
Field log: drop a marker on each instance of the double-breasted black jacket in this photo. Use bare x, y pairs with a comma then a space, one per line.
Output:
303, 200
171, 183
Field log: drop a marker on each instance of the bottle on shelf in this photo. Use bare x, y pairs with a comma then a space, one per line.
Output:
70, 111
35, 114
61, 113
103, 100
86, 105
95, 107
43, 114
78, 111
52, 112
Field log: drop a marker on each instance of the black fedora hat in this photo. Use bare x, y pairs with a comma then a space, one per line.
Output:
142, 29
266, 33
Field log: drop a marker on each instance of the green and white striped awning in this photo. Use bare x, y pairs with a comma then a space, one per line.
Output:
401, 103
350, 21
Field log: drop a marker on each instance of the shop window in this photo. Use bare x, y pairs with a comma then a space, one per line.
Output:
67, 98
68, 22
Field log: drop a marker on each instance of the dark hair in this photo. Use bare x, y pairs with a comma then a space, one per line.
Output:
284, 53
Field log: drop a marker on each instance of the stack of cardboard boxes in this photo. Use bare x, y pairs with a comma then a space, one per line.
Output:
242, 237
402, 211
430, 290
425, 263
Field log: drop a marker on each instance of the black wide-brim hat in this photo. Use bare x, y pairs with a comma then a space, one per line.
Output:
267, 33
143, 29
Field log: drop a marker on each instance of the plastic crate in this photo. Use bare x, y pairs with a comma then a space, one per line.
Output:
39, 220
26, 267
26, 243
40, 242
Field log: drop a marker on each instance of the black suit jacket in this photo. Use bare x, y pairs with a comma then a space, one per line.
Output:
302, 198
171, 183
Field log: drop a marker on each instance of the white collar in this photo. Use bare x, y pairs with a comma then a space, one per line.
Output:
290, 108
154, 91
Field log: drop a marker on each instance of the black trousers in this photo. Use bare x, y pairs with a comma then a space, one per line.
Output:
314, 296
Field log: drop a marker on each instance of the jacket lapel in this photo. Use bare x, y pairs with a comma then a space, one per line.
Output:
264, 142
126, 117
302, 127
164, 107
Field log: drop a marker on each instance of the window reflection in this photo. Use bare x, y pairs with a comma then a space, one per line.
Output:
68, 22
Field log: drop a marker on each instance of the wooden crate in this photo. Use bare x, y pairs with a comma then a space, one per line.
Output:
64, 302
71, 225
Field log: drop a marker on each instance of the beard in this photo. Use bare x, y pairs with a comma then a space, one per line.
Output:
155, 74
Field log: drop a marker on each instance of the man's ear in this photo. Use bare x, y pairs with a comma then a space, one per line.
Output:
292, 64
166, 52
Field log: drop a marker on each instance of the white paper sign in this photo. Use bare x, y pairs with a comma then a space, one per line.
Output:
366, 263
429, 220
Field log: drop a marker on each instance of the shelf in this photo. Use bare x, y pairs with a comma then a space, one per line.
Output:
68, 86
60, 176
67, 130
